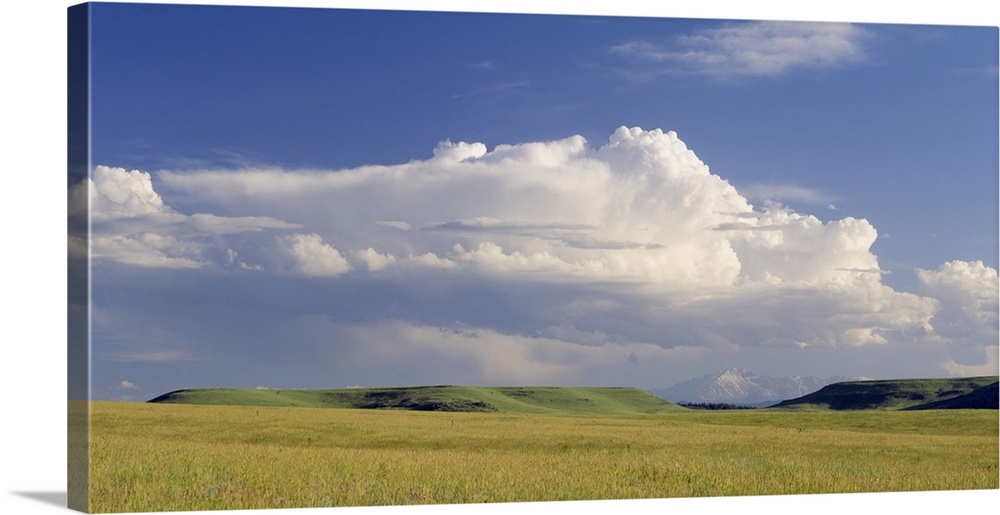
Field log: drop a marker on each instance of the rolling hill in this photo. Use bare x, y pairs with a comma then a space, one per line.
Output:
439, 398
902, 394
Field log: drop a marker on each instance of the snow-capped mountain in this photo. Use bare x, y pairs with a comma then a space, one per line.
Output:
741, 386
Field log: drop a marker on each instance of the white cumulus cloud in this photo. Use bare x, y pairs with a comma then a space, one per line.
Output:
116, 192
553, 259
640, 220
127, 385
132, 225
968, 316
311, 256
376, 261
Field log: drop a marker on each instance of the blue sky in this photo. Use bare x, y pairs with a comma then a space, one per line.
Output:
324, 198
909, 110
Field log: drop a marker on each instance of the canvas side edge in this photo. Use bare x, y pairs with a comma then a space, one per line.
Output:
78, 257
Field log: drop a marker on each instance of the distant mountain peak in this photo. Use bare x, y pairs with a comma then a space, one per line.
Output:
736, 385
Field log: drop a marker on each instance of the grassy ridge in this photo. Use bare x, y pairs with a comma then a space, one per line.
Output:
903, 394
439, 398
153, 457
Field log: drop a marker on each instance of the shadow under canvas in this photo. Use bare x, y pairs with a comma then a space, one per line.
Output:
53, 498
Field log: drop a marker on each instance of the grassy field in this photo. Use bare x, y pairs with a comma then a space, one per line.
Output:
156, 457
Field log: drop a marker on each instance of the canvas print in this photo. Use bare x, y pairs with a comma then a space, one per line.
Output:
325, 257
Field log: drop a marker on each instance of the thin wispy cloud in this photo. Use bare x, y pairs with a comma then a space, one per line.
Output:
742, 226
483, 65
988, 71
751, 49
495, 93
786, 192
157, 356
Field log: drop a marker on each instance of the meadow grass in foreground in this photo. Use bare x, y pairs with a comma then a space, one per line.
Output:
156, 457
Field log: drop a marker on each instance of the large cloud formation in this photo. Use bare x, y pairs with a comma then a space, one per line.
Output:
968, 314
132, 225
549, 257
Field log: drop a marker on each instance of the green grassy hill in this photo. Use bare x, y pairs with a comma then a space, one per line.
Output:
983, 397
440, 398
903, 394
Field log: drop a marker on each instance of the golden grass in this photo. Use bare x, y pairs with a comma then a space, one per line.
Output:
180, 457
